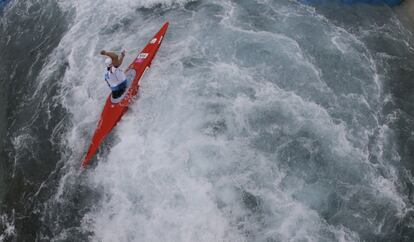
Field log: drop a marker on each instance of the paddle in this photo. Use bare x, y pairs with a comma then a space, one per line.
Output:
126, 51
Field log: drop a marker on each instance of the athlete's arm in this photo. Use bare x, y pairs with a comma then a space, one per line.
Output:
110, 54
121, 59
116, 60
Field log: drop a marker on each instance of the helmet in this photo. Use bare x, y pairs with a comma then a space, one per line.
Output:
108, 62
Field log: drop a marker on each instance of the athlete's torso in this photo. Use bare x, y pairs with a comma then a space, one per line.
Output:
114, 77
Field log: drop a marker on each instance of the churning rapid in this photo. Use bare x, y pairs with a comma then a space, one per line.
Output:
258, 121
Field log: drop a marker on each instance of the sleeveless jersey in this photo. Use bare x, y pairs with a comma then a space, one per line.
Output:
114, 77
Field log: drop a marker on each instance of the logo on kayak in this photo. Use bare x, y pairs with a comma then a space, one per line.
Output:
159, 42
140, 58
153, 41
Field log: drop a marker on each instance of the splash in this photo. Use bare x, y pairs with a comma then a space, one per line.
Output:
258, 121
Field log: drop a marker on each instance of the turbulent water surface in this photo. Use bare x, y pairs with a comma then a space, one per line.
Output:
258, 121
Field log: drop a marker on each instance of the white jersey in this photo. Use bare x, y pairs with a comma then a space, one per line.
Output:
114, 77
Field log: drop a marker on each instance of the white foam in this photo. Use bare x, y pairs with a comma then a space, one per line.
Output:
8, 225
182, 160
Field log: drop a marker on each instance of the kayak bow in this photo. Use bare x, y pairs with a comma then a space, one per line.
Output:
113, 110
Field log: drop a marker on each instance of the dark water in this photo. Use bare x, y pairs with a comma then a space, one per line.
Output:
259, 121
30, 119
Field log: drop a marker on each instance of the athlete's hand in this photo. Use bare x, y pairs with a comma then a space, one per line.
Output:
123, 53
103, 52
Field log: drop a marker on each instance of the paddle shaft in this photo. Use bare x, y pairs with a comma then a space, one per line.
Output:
126, 51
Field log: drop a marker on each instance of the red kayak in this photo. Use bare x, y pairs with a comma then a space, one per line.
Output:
114, 109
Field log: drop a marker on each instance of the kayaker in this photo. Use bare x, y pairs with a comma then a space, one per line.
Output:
114, 76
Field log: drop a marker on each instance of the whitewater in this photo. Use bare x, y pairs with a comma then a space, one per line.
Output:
257, 121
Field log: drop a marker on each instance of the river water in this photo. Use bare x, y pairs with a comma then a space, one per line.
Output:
258, 121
